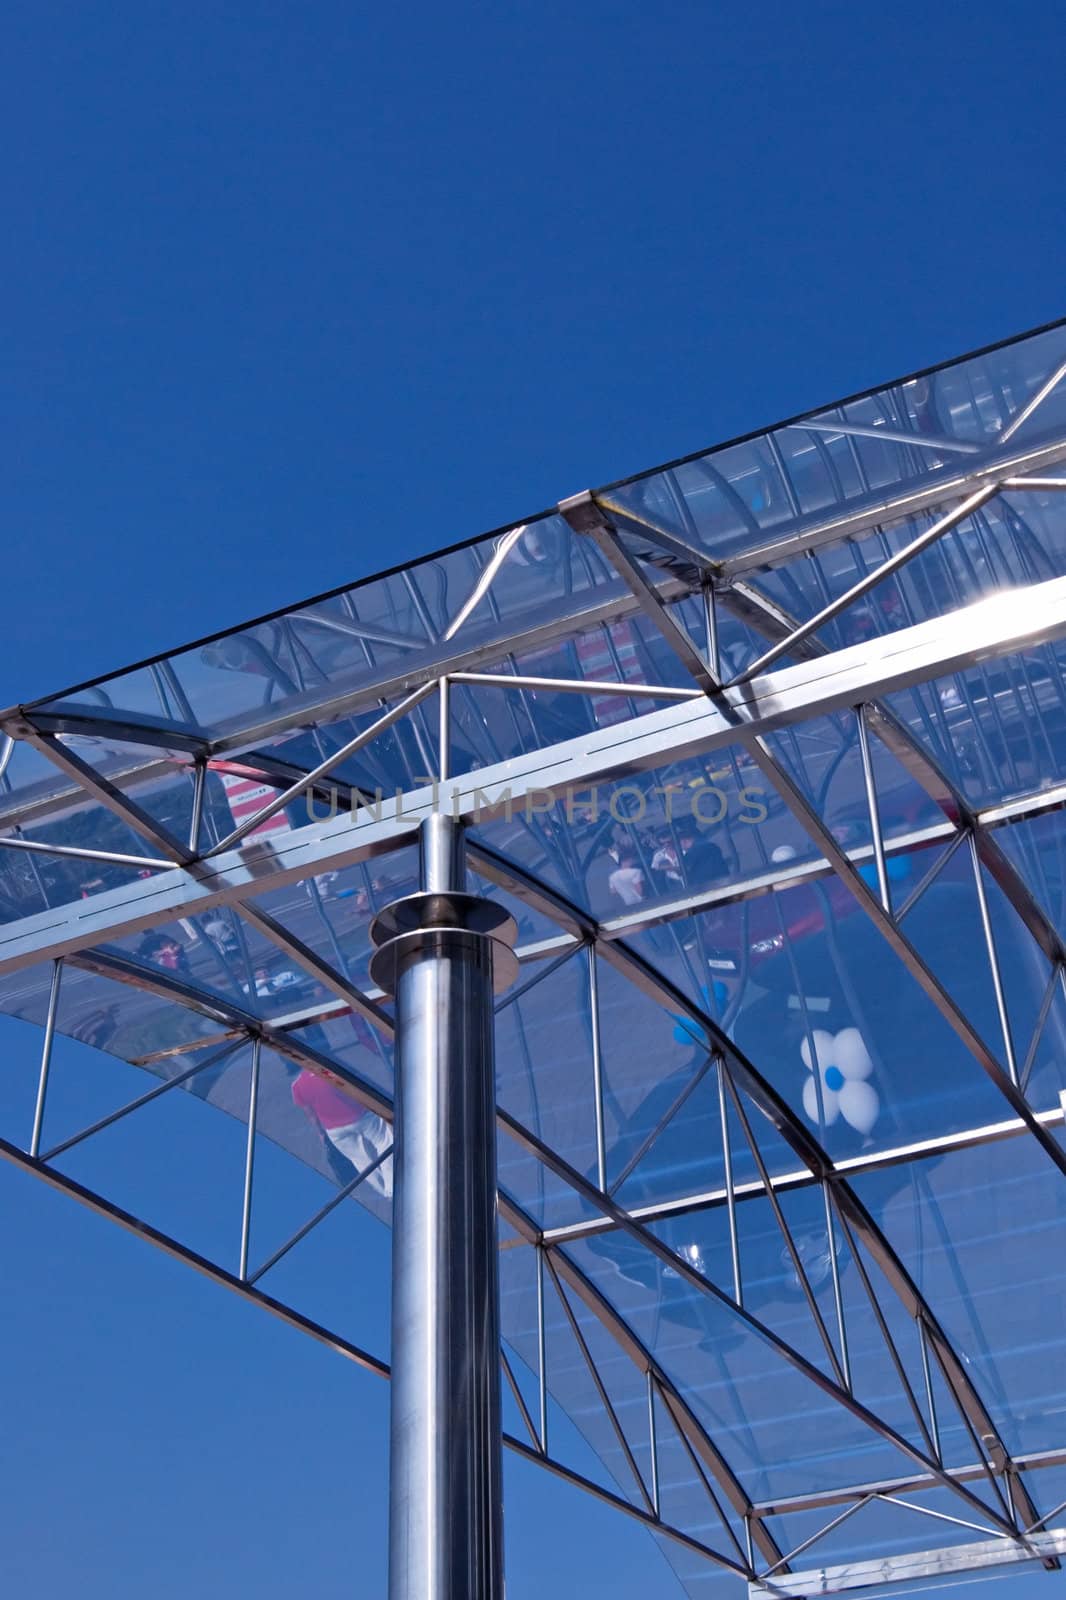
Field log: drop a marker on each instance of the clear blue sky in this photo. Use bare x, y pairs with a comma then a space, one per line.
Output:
295, 291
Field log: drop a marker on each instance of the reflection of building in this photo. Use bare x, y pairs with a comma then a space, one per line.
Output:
781, 1158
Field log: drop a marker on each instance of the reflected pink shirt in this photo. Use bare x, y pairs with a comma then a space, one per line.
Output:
330, 1107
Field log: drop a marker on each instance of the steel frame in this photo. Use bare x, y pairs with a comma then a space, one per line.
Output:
572, 917
190, 877
584, 1287
124, 970
294, 1318
127, 970
695, 727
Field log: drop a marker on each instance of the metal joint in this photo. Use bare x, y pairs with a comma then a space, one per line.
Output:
582, 512
442, 924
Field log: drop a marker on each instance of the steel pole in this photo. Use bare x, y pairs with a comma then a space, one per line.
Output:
441, 952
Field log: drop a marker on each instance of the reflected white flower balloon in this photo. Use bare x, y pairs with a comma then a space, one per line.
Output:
843, 1066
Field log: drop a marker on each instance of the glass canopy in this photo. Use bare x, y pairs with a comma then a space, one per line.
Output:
765, 751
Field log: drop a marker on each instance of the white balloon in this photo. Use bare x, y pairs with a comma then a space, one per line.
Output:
829, 1101
851, 1054
823, 1049
860, 1104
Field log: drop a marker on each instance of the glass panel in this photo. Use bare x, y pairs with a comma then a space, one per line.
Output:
347, 643
813, 981
999, 728
779, 1431
978, 1230
655, 838
1036, 847
734, 498
1011, 541
332, 912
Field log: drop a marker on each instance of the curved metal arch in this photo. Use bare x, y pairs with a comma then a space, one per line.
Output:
898, 739
637, 1351
122, 968
125, 969
635, 967
102, 1207
678, 1263
124, 727
171, 988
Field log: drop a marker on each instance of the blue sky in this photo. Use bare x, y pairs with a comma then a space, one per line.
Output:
295, 292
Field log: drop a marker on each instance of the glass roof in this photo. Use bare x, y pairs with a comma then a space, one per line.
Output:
764, 751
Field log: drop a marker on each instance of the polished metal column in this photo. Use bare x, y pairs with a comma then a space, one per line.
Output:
442, 953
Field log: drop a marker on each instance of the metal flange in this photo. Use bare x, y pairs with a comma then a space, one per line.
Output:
443, 922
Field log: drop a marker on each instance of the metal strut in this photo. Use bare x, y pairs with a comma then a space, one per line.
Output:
442, 952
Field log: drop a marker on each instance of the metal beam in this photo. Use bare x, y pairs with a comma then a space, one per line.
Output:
876, 575
308, 780
870, 430
76, 853
589, 686
586, 517
122, 727
922, 1568
1016, 620
1033, 402
504, 545
690, 1428
298, 951
816, 533
544, 625
972, 1472
106, 793
654, 1523
803, 1178
924, 768
191, 1258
